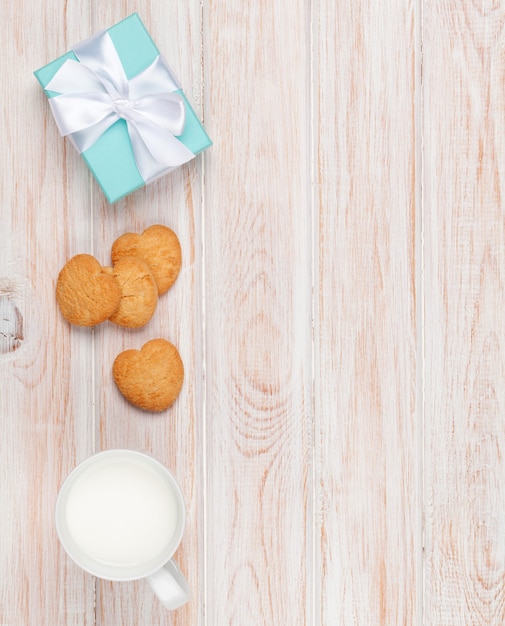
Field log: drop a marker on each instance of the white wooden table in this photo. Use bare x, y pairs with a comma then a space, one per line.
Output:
340, 313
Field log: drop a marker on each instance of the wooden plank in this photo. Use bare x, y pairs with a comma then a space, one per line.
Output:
44, 366
257, 314
367, 453
464, 69
173, 437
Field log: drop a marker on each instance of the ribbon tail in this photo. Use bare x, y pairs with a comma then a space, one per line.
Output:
86, 138
156, 150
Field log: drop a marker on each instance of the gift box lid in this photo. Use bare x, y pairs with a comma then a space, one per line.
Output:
111, 158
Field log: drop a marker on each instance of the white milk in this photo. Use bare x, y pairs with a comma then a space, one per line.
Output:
121, 512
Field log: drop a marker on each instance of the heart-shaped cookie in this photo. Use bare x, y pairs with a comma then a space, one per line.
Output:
86, 294
150, 378
139, 294
159, 247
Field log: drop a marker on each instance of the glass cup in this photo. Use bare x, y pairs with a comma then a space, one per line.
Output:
120, 516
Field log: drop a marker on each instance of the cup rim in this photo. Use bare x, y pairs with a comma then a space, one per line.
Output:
165, 556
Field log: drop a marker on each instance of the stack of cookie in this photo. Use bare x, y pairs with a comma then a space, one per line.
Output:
144, 267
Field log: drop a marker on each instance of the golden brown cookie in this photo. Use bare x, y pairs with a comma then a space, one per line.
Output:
150, 378
159, 247
86, 294
139, 293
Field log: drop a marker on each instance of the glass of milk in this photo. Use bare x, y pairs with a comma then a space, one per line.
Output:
120, 515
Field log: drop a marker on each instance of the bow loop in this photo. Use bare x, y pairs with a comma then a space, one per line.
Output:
95, 93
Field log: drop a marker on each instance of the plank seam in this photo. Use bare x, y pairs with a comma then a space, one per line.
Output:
312, 610
203, 327
420, 303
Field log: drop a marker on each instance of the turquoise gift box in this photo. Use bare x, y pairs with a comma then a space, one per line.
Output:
113, 158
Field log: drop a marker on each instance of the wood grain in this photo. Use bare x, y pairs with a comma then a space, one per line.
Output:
465, 297
44, 405
257, 314
366, 453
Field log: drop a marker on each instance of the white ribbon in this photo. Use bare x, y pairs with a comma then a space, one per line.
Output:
95, 93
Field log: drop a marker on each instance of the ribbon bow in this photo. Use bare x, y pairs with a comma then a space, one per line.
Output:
95, 93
